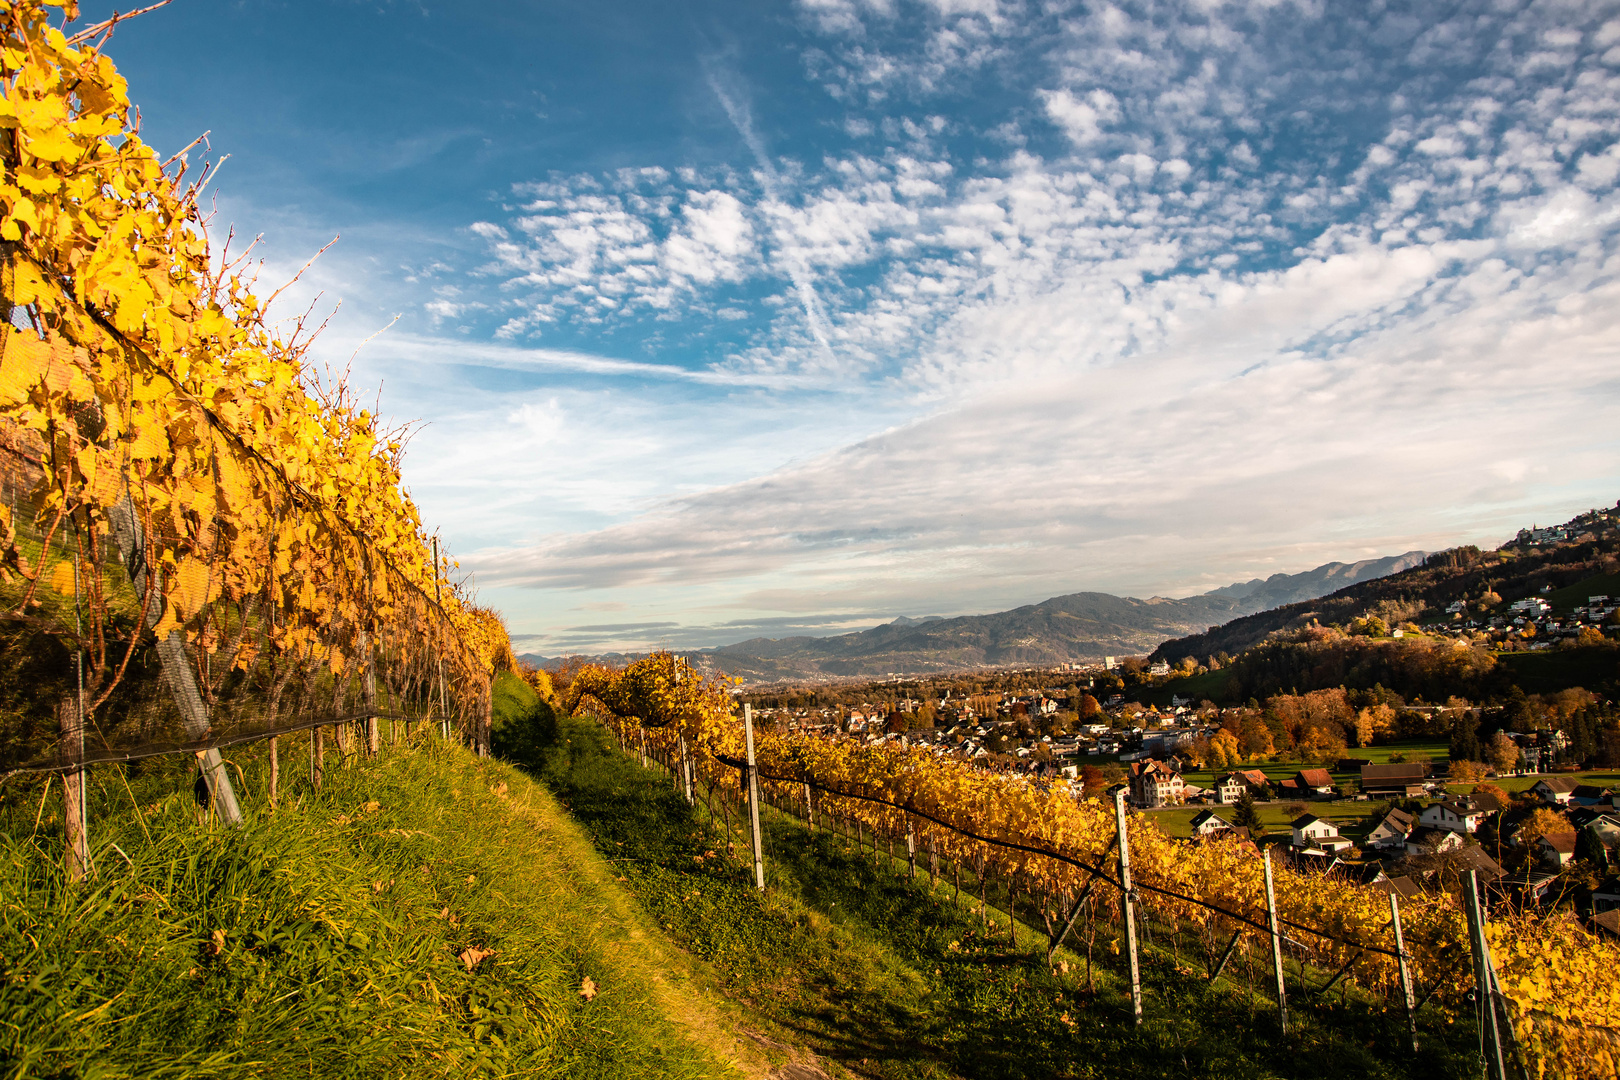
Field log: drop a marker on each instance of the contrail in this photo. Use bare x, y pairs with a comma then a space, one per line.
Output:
798, 270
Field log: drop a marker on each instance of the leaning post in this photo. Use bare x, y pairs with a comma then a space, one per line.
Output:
753, 797
1276, 946
1406, 971
1127, 903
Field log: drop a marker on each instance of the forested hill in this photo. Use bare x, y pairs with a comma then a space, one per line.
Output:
1079, 626
1512, 572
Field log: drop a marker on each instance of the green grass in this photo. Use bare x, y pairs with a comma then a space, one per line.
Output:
1566, 599
1551, 670
881, 976
1439, 751
324, 939
1352, 818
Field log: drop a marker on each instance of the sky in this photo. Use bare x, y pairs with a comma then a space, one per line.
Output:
725, 320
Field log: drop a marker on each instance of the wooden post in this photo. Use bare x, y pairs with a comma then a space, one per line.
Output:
1406, 971
809, 809
438, 602
1484, 984
275, 769
753, 797
130, 535
1127, 903
1276, 945
686, 770
643, 733
317, 756
373, 734
911, 848
73, 791
1231, 946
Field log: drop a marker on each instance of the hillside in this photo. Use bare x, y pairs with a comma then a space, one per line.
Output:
426, 913
1513, 571
1079, 627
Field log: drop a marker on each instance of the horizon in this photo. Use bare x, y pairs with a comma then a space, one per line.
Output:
719, 323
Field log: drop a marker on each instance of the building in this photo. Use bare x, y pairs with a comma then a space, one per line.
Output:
1208, 823
1311, 831
1153, 783
1391, 831
1557, 849
1405, 779
1454, 815
1555, 790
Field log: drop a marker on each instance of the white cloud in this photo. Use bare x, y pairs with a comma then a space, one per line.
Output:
1082, 120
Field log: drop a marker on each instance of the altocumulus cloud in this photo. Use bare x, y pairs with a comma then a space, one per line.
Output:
1147, 296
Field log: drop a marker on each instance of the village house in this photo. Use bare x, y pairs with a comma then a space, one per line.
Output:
1154, 783
1554, 790
1391, 831
1453, 815
1426, 841
1308, 784
1557, 849
1311, 831
1208, 823
1405, 779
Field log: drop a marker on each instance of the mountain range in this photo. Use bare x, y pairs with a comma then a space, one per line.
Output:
1085, 626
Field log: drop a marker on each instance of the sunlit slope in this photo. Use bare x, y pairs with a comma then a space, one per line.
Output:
428, 913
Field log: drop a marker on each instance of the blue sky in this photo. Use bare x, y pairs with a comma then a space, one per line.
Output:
738, 319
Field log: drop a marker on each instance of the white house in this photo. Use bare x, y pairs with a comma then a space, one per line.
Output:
1453, 816
1555, 790
1311, 831
1391, 831
1207, 822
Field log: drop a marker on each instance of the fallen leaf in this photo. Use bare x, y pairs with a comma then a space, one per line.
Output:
587, 988
471, 878
217, 945
472, 956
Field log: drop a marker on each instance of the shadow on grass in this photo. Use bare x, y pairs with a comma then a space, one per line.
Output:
892, 978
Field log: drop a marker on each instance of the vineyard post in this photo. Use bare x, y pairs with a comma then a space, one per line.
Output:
753, 796
73, 791
177, 671
438, 603
1276, 945
373, 735
1496, 1063
809, 810
1127, 905
75, 817
1406, 972
686, 769
911, 847
643, 733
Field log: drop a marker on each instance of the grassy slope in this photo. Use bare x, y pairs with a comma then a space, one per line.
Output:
323, 940
888, 978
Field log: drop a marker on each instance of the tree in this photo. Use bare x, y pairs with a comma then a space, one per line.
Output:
1247, 816
1503, 752
1463, 771
1541, 822
1465, 738
1590, 850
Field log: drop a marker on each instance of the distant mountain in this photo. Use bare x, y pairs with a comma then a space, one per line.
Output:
1065, 629
1280, 589
1544, 560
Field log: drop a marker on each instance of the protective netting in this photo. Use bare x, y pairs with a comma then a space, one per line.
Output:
77, 638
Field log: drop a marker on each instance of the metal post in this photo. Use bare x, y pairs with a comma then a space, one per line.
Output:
1484, 988
1406, 971
753, 797
1127, 903
1276, 946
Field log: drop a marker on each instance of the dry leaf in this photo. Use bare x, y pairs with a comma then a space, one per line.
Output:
217, 945
587, 988
472, 956
471, 878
